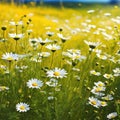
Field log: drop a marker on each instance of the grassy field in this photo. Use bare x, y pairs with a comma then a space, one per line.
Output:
59, 63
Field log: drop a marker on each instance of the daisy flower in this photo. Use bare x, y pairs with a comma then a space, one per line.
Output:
52, 83
50, 33
53, 47
98, 90
103, 57
112, 115
43, 42
108, 76
2, 88
44, 54
99, 84
22, 107
103, 103
16, 23
92, 45
10, 57
108, 97
15, 36
94, 102
34, 83
93, 72
64, 39
116, 71
56, 73
90, 11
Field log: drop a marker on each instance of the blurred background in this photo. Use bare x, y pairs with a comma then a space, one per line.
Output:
59, 1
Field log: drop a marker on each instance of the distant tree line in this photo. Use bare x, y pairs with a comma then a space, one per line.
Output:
42, 1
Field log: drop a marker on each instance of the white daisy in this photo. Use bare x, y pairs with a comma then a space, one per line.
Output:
52, 83
108, 97
22, 107
90, 11
98, 90
94, 102
15, 36
93, 72
64, 39
92, 45
50, 33
16, 23
43, 42
53, 47
56, 73
99, 84
10, 57
44, 54
112, 115
103, 103
34, 83
2, 88
103, 57
116, 71
108, 76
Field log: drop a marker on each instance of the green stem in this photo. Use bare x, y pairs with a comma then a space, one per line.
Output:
52, 60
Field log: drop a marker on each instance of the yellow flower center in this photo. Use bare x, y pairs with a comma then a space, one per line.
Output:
100, 84
56, 74
103, 103
22, 107
9, 58
93, 72
98, 89
34, 84
93, 102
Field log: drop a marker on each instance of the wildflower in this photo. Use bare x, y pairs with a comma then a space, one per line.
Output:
10, 57
108, 97
34, 83
34, 42
90, 11
94, 102
108, 76
22, 107
92, 45
52, 83
16, 23
50, 33
107, 14
15, 36
57, 73
21, 68
72, 51
51, 97
64, 39
74, 54
103, 103
103, 57
2, 88
36, 58
44, 54
98, 90
43, 42
116, 71
53, 47
93, 72
99, 84
112, 115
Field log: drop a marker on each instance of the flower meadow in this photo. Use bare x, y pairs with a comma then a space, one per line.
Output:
59, 64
